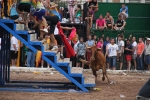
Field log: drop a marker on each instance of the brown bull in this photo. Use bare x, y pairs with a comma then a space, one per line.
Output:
97, 61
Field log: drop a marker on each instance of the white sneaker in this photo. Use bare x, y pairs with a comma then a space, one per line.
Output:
47, 66
51, 73
54, 48
45, 30
41, 66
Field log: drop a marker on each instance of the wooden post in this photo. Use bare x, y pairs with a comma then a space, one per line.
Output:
18, 59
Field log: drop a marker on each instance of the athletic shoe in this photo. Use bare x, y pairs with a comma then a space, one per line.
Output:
54, 48
45, 30
27, 29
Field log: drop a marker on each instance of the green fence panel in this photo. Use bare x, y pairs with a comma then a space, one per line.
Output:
135, 9
127, 33
139, 15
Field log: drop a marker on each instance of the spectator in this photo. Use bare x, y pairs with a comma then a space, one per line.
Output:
120, 24
45, 40
90, 16
109, 20
140, 50
71, 7
95, 39
147, 53
94, 5
81, 51
100, 23
14, 50
78, 13
0, 8
0, 44
90, 43
120, 51
105, 46
111, 52
100, 44
129, 50
134, 56
30, 58
124, 11
13, 10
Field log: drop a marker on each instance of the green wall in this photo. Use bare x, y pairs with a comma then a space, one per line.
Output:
139, 14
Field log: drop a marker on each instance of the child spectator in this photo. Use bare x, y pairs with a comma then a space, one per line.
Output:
124, 11
81, 51
14, 50
78, 13
129, 50
45, 40
100, 44
90, 43
90, 16
13, 11
100, 23
120, 24
95, 39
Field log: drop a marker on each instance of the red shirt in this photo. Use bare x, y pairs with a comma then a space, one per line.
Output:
100, 22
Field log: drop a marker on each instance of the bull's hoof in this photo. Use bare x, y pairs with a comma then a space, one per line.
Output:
103, 78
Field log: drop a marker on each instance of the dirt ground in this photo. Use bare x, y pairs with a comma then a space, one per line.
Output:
127, 86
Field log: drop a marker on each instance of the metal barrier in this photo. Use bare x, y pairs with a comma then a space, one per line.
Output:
4, 57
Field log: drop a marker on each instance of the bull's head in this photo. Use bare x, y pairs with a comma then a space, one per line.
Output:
93, 50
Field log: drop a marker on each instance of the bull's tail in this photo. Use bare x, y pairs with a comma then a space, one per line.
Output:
104, 73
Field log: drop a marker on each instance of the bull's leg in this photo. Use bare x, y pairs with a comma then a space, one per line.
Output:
85, 62
95, 74
105, 74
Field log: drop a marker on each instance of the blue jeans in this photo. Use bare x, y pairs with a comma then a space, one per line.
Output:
113, 61
30, 59
140, 62
147, 59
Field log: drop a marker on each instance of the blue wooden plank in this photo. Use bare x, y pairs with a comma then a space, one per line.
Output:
31, 90
21, 32
35, 43
49, 53
6, 21
62, 64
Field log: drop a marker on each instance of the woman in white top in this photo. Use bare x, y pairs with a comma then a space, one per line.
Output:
14, 50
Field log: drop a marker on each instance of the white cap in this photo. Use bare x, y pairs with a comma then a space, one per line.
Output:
148, 39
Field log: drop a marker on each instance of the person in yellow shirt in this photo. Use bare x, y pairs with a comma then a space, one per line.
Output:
46, 40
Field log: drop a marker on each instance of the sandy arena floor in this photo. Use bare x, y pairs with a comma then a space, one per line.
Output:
127, 86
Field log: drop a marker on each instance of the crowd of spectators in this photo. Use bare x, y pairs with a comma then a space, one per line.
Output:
125, 52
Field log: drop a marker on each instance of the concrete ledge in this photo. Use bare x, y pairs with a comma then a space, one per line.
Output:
27, 69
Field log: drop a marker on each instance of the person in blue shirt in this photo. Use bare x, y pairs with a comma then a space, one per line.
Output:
124, 11
13, 11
